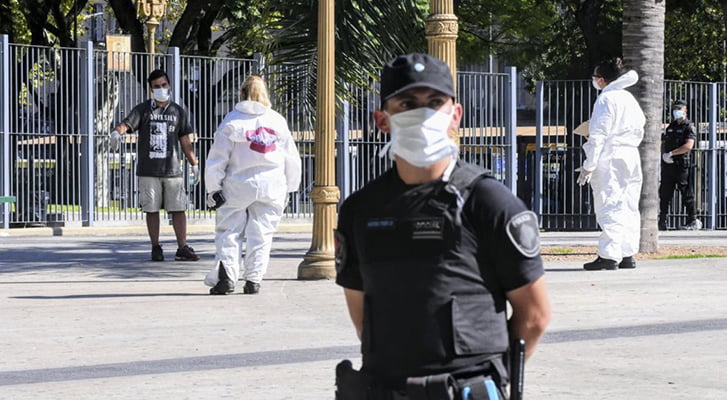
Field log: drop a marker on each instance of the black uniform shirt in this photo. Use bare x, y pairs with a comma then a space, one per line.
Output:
503, 248
486, 214
676, 134
160, 128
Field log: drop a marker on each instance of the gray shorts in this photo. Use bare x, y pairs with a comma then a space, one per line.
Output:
156, 193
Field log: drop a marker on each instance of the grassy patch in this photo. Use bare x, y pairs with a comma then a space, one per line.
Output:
686, 256
558, 250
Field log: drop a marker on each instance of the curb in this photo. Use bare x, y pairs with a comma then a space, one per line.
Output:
135, 230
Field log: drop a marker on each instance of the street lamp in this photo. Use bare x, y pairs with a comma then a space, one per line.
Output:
318, 262
441, 31
152, 11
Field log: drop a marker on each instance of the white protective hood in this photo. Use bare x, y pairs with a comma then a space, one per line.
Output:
253, 142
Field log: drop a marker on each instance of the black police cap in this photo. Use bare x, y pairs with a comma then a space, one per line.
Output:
679, 103
414, 71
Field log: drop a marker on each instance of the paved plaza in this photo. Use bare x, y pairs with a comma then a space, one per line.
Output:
85, 315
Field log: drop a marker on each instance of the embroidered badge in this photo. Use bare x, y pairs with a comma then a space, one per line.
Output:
340, 250
522, 229
429, 228
380, 223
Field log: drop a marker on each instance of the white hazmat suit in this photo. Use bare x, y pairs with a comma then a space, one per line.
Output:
255, 163
615, 131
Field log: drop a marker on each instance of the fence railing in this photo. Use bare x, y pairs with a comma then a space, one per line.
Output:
58, 106
557, 152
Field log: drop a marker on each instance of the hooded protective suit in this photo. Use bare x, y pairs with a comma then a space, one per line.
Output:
615, 132
254, 162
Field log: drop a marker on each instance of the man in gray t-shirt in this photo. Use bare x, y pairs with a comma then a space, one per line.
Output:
163, 126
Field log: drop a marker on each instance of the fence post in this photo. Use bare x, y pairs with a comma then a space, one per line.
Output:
5, 125
343, 159
86, 125
538, 162
175, 74
711, 222
511, 129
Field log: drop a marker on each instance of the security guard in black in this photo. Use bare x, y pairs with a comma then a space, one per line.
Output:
434, 278
676, 174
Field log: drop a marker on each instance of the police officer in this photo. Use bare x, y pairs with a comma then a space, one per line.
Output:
430, 253
676, 143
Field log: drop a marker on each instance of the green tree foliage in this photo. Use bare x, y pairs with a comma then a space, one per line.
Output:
584, 33
695, 34
557, 39
511, 30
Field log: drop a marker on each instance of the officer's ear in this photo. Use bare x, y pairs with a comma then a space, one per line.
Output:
457, 112
381, 119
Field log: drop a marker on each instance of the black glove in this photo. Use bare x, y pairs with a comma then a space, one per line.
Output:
215, 200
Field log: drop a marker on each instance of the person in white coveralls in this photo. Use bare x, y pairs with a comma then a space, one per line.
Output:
613, 166
251, 166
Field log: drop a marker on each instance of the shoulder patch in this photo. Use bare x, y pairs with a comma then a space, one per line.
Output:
340, 254
522, 229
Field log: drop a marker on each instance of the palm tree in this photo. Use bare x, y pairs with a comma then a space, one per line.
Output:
643, 49
368, 34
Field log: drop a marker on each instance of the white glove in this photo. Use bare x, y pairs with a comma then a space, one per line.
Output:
667, 158
115, 141
211, 202
195, 174
584, 177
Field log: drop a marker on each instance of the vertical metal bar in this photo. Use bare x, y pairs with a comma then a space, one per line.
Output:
86, 124
511, 129
175, 74
538, 162
5, 124
712, 175
345, 172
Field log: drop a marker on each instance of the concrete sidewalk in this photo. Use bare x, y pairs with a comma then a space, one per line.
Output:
89, 317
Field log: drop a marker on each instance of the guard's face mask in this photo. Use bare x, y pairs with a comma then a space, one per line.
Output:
420, 137
160, 94
594, 82
678, 114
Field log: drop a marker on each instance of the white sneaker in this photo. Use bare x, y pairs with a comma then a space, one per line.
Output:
693, 226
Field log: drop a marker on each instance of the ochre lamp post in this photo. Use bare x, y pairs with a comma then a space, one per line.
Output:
152, 11
441, 31
318, 262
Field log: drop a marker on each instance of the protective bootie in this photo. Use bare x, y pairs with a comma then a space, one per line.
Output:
693, 225
627, 263
225, 284
600, 263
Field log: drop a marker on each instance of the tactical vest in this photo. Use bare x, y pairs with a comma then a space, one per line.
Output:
427, 307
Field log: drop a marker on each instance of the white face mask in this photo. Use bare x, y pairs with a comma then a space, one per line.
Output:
595, 84
160, 94
420, 137
678, 114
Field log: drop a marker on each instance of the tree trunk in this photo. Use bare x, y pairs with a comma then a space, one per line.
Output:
643, 48
125, 13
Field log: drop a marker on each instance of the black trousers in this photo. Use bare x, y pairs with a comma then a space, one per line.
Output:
676, 176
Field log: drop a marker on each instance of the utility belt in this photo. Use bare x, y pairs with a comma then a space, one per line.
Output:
357, 385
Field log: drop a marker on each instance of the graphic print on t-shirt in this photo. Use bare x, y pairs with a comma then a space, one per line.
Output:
158, 140
262, 139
